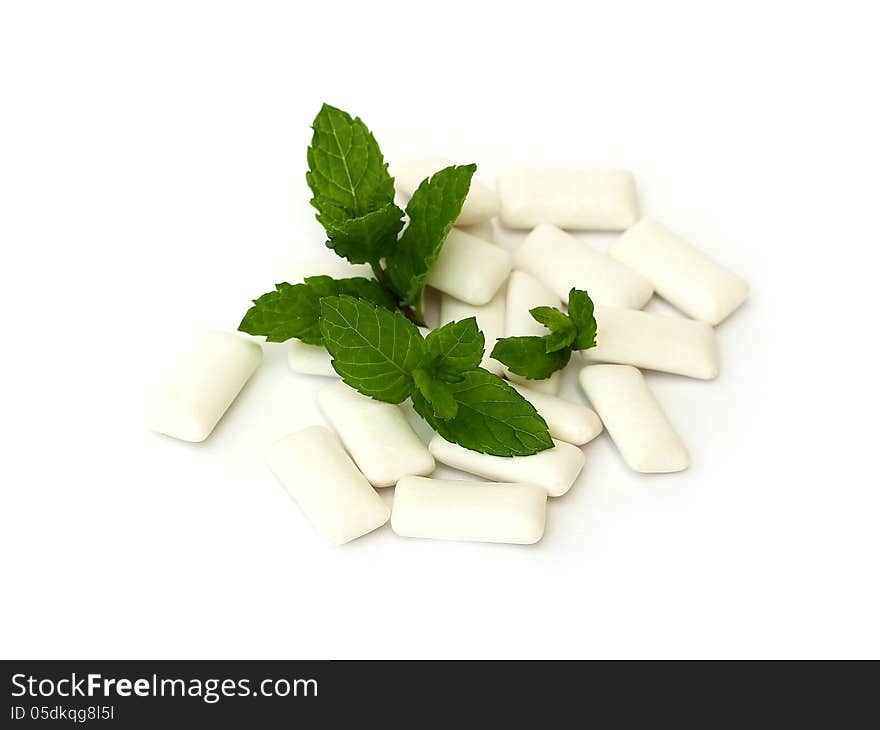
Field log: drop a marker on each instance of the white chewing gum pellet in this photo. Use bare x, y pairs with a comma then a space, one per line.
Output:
309, 359
548, 386
203, 386
481, 202
684, 276
490, 320
570, 422
376, 435
634, 419
442, 509
314, 359
524, 293
654, 342
469, 268
554, 469
563, 262
590, 200
333, 495
482, 230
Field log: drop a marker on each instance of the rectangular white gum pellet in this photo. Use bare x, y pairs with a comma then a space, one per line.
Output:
634, 419
548, 386
681, 274
376, 435
481, 202
442, 509
563, 262
554, 469
591, 200
490, 320
314, 359
654, 342
309, 359
469, 268
333, 495
525, 292
482, 230
573, 423
203, 386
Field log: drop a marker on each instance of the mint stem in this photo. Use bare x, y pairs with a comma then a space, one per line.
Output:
416, 316
413, 315
379, 273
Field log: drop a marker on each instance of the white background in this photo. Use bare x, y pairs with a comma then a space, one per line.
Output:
152, 160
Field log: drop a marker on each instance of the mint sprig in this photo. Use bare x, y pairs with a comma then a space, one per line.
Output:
382, 354
369, 326
538, 357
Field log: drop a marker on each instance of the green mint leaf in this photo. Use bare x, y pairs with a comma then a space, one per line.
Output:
580, 309
365, 239
374, 351
456, 347
528, 356
347, 174
432, 210
292, 310
562, 330
437, 393
492, 417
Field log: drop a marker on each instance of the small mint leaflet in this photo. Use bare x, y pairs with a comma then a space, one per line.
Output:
437, 393
537, 358
580, 309
560, 340
552, 318
562, 330
456, 347
528, 357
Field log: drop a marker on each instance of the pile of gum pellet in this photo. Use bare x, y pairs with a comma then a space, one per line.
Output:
334, 478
